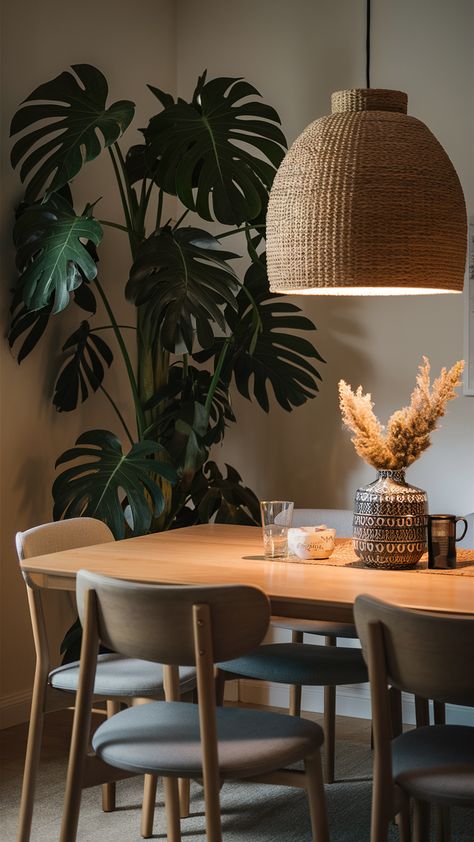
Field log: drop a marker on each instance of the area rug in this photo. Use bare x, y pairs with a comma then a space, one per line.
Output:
250, 812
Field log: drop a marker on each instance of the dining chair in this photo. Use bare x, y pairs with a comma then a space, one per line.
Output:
194, 626
309, 666
118, 679
431, 655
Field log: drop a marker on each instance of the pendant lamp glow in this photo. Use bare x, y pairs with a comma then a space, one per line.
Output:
366, 202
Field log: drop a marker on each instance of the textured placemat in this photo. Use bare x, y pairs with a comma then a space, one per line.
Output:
344, 556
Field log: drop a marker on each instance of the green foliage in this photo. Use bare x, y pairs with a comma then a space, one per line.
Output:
182, 278
216, 148
93, 488
200, 330
75, 113
267, 354
51, 258
86, 352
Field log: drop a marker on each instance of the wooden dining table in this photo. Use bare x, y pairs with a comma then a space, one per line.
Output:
228, 554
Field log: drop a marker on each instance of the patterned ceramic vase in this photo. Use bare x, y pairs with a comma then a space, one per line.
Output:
390, 522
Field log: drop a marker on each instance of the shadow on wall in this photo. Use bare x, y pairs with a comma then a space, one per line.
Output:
341, 339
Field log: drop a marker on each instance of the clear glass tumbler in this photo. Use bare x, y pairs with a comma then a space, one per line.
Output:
276, 520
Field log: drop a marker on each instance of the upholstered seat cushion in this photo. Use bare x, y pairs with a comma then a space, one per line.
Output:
300, 663
436, 763
119, 676
163, 738
323, 627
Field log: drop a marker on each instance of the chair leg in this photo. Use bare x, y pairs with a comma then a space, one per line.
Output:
170, 786
184, 786
316, 798
442, 824
395, 698
294, 708
329, 725
403, 822
421, 822
439, 711
220, 679
33, 751
108, 789
148, 806
422, 712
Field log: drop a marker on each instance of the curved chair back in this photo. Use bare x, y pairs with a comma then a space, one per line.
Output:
431, 655
338, 519
158, 622
53, 538
61, 535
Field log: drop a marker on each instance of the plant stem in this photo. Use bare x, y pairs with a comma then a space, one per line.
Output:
128, 365
110, 327
119, 414
123, 197
159, 209
237, 231
132, 202
216, 376
183, 215
113, 225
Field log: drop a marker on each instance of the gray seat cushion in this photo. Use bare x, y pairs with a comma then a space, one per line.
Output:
119, 676
436, 763
300, 663
164, 738
328, 628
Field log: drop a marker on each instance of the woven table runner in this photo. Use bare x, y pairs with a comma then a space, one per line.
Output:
344, 556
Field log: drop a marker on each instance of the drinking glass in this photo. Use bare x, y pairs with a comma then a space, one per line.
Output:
276, 519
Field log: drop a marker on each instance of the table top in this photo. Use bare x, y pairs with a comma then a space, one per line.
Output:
227, 554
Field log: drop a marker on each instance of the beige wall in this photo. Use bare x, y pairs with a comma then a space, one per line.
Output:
296, 54
132, 44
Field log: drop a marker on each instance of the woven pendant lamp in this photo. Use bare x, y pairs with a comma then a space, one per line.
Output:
366, 202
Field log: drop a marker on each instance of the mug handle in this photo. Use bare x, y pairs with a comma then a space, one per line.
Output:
464, 521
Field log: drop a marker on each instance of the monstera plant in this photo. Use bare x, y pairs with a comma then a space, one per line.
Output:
202, 324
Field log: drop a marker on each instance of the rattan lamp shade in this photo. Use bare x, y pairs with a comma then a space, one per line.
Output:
366, 202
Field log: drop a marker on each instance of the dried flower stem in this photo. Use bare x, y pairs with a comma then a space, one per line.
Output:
408, 430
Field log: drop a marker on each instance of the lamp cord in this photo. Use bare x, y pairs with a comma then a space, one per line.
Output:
367, 47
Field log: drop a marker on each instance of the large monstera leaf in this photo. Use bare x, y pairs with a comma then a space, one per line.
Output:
86, 354
267, 351
218, 153
51, 257
106, 477
183, 278
78, 125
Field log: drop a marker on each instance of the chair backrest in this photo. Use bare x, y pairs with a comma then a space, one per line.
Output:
338, 519
468, 540
431, 655
158, 622
53, 538
62, 535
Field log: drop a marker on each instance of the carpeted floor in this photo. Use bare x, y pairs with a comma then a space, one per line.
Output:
250, 813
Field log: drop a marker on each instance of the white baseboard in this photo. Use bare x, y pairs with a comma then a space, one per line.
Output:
351, 700
15, 709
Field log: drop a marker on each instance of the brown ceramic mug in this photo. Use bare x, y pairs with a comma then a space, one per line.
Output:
442, 540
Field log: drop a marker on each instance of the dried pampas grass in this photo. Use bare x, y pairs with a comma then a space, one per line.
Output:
408, 430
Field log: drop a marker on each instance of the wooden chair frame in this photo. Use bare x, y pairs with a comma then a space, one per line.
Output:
80, 762
47, 699
389, 800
